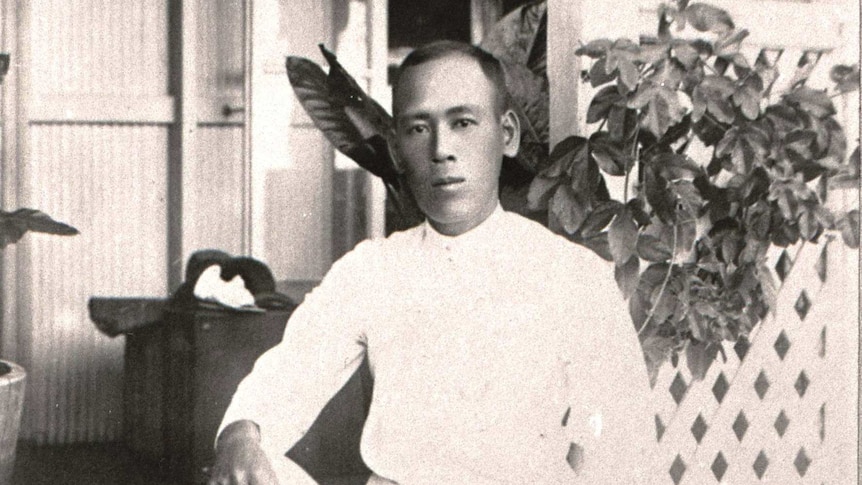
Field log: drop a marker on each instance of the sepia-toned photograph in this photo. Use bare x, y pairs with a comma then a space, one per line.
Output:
404, 242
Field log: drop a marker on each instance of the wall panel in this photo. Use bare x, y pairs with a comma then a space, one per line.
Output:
109, 182
104, 172
99, 46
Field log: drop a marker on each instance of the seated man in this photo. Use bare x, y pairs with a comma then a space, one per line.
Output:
501, 353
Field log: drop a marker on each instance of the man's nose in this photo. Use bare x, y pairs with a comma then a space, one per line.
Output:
443, 145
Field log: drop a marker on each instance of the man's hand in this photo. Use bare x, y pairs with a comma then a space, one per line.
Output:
239, 458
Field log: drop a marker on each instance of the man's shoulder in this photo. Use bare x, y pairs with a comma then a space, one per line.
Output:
565, 266
382, 247
540, 242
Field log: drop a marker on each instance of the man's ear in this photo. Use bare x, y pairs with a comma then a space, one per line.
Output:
511, 133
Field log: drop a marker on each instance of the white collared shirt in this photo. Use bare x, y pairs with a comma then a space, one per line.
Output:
478, 345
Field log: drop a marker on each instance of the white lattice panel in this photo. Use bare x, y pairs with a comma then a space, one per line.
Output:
775, 411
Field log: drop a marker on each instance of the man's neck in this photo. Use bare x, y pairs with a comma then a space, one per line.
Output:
458, 228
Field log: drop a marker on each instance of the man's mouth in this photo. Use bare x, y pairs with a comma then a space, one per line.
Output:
447, 181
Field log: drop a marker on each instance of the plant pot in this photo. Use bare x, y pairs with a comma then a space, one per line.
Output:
12, 378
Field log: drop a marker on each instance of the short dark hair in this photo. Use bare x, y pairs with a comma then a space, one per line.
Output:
490, 65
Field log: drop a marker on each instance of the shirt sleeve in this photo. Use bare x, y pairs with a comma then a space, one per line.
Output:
321, 348
610, 422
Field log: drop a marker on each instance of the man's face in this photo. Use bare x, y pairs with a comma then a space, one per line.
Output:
450, 140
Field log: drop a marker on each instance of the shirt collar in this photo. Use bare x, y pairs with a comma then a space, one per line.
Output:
479, 235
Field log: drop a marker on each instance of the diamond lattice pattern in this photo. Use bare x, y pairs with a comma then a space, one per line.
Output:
759, 416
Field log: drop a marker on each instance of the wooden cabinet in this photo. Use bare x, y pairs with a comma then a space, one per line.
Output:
181, 373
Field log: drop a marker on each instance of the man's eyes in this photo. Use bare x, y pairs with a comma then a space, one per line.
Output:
463, 122
456, 124
416, 129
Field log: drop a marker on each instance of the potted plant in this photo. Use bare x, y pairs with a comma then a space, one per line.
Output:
13, 225
689, 236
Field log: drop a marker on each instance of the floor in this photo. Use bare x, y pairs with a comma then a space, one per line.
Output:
90, 464
97, 464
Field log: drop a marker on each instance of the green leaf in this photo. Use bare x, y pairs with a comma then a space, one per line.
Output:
686, 233
623, 237
812, 101
809, 226
663, 108
846, 78
600, 217
595, 49
847, 175
344, 113
688, 199
729, 244
657, 350
655, 187
710, 132
13, 225
821, 129
713, 95
643, 96
798, 148
520, 37
653, 249
636, 207
757, 220
611, 157
572, 156
310, 85
783, 119
849, 225
541, 191
747, 147
754, 187
699, 357
597, 243
564, 155
628, 74
698, 326
668, 75
784, 232
836, 146
619, 62
652, 54
720, 65
783, 194
621, 123
570, 208
641, 301
602, 103
674, 166
707, 18
598, 74
626, 276
686, 54
747, 98
666, 303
